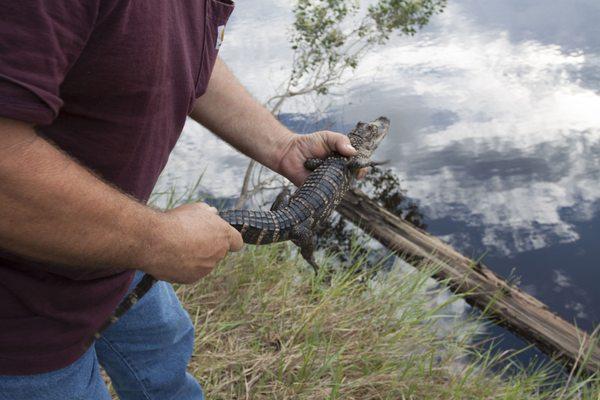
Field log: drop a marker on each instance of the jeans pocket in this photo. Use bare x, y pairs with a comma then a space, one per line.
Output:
217, 14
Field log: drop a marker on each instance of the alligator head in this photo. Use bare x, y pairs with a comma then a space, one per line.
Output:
365, 138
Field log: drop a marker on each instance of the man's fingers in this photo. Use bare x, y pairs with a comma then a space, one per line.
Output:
208, 208
235, 240
300, 178
340, 143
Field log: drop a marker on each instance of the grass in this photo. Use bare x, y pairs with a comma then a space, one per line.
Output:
268, 329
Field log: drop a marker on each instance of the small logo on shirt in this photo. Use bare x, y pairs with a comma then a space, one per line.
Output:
220, 36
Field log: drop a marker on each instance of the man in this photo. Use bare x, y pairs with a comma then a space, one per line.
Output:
93, 96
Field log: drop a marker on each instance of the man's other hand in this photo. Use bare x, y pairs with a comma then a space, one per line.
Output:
300, 148
195, 240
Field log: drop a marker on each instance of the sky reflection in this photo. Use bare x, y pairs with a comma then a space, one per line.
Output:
500, 128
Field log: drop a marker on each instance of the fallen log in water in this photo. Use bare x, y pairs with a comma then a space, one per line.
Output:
509, 306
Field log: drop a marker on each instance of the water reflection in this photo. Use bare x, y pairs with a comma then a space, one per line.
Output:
499, 139
496, 131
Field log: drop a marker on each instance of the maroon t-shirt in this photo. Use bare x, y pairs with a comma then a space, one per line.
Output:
111, 83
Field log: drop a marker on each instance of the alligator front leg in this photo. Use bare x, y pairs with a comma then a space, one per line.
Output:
302, 236
359, 163
313, 163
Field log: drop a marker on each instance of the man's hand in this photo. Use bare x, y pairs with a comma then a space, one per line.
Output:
300, 148
195, 240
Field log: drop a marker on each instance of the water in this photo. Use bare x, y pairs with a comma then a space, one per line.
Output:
495, 111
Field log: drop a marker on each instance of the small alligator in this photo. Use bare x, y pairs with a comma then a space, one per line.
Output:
294, 217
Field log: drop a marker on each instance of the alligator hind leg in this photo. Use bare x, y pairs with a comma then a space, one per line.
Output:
282, 199
303, 237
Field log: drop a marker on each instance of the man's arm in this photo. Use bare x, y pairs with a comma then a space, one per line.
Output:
54, 210
229, 111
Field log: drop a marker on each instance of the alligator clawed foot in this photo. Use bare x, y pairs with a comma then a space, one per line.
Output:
311, 260
357, 164
302, 236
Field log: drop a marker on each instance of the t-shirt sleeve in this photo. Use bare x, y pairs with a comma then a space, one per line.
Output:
39, 41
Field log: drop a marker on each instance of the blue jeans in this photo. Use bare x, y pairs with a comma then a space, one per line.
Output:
145, 353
